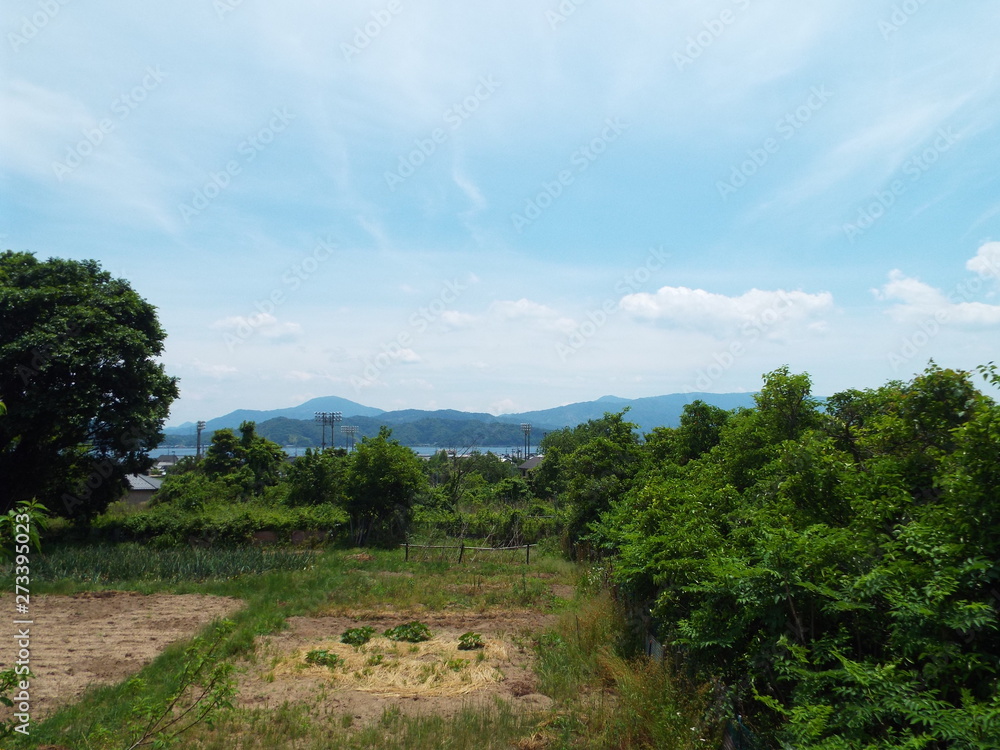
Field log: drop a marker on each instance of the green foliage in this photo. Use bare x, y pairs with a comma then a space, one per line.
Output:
28, 514
317, 478
250, 461
84, 394
218, 523
357, 636
384, 480
598, 461
203, 687
413, 632
323, 658
836, 568
470, 641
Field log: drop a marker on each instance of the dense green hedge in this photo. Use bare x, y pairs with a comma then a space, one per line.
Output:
166, 524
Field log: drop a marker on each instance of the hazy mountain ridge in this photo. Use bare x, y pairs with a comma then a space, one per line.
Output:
453, 428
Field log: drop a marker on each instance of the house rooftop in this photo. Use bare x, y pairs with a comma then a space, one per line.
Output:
140, 482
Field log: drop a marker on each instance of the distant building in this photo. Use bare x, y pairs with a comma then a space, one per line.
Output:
141, 488
530, 465
166, 461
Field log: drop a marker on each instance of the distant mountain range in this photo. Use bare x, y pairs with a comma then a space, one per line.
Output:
450, 428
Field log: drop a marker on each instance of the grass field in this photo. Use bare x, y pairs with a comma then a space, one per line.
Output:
551, 675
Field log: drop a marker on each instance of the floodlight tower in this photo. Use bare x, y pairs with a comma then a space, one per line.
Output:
335, 417
197, 452
350, 430
526, 429
323, 417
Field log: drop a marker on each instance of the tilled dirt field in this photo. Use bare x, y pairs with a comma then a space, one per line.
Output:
102, 638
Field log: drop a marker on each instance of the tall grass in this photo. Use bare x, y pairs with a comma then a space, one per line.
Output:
607, 700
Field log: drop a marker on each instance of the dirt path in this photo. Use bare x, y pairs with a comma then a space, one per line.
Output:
101, 638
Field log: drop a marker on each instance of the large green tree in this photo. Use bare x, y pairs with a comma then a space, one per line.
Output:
85, 396
383, 481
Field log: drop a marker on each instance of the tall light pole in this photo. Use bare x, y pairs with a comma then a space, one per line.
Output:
335, 417
323, 418
526, 429
197, 453
350, 430
329, 418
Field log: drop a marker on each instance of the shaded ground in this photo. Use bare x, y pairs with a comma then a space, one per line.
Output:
432, 677
101, 638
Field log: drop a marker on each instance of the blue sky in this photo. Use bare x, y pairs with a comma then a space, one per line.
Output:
509, 206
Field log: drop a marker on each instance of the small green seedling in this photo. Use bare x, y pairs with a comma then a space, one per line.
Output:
470, 641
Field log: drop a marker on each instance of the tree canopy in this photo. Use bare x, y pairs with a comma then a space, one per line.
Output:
835, 565
85, 396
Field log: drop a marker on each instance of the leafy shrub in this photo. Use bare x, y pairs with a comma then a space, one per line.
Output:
323, 658
413, 632
218, 523
357, 636
470, 641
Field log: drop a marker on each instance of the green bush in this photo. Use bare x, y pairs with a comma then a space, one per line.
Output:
218, 524
323, 658
413, 632
357, 636
470, 641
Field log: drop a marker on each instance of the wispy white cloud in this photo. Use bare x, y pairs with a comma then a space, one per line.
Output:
266, 325
535, 314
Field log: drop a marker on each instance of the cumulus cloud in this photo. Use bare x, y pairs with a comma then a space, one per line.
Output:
701, 310
987, 260
916, 301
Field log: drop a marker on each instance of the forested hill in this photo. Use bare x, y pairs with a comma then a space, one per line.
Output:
445, 433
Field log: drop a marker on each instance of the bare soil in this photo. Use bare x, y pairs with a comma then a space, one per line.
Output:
100, 638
